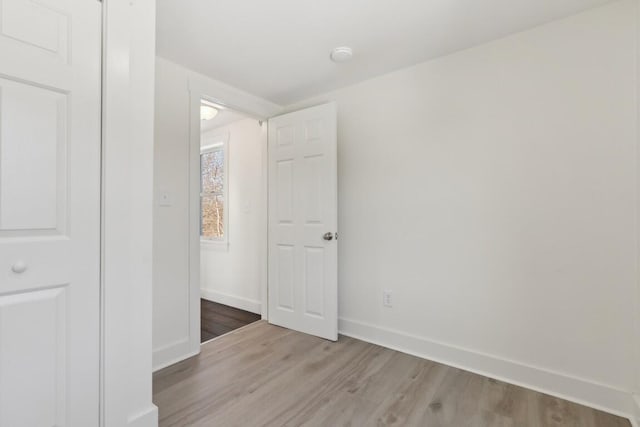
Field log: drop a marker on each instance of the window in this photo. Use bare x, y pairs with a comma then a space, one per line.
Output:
213, 191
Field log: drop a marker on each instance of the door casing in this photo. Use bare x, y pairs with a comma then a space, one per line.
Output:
219, 93
200, 88
128, 86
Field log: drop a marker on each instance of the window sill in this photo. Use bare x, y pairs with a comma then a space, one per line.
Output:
214, 245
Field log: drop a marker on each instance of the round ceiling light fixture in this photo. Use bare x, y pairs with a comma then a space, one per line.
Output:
341, 54
207, 112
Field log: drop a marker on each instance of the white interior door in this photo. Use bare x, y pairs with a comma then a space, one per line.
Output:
303, 206
50, 63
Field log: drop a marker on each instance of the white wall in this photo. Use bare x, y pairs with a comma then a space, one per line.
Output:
170, 224
493, 191
174, 336
233, 275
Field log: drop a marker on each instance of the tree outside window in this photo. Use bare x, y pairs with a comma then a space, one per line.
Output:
212, 200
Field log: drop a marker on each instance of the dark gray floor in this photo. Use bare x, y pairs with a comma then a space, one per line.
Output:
218, 319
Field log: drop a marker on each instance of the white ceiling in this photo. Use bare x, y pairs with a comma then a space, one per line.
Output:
279, 49
223, 118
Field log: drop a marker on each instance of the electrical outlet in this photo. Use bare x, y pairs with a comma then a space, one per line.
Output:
387, 299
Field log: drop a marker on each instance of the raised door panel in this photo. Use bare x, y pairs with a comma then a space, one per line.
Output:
32, 158
35, 396
313, 191
285, 136
314, 131
42, 25
38, 37
285, 187
285, 273
314, 266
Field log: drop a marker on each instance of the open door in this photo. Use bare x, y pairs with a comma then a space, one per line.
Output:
303, 206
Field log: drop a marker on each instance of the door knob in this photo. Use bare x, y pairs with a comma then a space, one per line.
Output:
19, 267
328, 236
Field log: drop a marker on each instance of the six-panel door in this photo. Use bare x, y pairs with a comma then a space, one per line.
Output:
50, 104
302, 209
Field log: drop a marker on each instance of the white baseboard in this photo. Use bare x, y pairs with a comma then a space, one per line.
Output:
635, 421
231, 300
189, 346
146, 418
172, 361
175, 352
582, 391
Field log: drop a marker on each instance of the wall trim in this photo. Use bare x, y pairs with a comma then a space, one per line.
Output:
636, 335
635, 421
128, 77
173, 352
179, 354
582, 391
147, 418
254, 306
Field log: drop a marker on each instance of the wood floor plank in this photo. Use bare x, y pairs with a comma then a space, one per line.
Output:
272, 395
448, 405
215, 330
407, 402
263, 375
345, 381
340, 409
555, 412
231, 312
225, 375
206, 336
214, 358
218, 319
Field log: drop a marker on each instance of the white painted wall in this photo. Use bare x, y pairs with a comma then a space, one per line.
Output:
175, 337
232, 275
493, 191
170, 224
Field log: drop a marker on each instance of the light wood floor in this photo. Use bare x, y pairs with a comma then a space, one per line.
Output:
263, 375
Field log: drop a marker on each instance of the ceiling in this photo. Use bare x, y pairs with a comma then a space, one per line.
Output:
223, 118
279, 49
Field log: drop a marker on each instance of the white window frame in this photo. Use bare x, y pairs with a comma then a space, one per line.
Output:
211, 142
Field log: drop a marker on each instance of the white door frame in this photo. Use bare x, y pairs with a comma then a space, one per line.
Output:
200, 88
636, 394
127, 213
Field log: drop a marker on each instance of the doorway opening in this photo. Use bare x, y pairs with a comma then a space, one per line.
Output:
267, 244
231, 219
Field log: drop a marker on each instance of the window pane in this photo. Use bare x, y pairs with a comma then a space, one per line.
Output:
212, 168
212, 222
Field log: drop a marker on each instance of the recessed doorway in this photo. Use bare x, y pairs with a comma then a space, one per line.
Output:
231, 218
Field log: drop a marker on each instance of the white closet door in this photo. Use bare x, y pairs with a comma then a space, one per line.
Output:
50, 61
